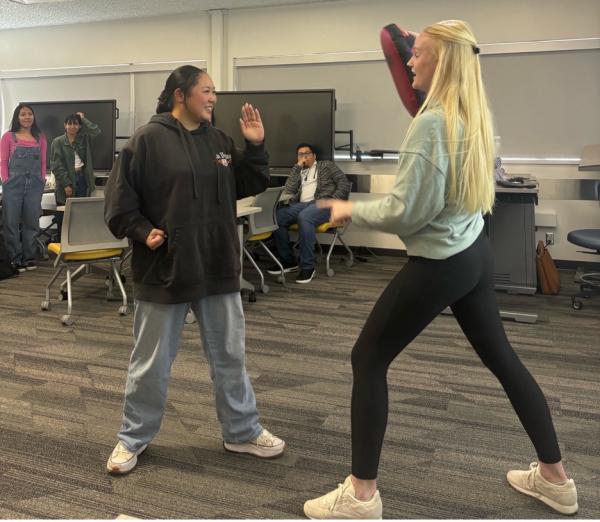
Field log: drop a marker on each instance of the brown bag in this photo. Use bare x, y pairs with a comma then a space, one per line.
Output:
547, 274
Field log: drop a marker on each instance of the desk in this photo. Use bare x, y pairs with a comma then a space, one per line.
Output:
243, 210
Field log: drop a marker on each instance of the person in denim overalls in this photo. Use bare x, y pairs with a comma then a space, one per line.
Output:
23, 171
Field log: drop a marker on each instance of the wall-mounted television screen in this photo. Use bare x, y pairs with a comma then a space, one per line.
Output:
50, 117
289, 118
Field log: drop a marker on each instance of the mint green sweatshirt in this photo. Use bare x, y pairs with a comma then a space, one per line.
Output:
417, 208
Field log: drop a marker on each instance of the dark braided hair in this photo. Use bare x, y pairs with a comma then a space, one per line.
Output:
184, 78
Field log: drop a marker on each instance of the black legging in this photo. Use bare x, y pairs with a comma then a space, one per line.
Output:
416, 295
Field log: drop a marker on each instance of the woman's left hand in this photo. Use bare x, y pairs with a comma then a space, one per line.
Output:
251, 125
341, 211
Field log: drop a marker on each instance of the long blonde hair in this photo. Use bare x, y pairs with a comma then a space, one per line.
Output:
457, 87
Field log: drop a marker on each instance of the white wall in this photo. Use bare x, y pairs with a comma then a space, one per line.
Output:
354, 25
128, 41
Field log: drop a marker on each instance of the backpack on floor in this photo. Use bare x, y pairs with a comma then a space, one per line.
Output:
547, 274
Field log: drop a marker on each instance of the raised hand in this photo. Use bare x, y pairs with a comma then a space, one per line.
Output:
251, 125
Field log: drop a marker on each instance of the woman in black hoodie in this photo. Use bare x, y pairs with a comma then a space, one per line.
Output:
173, 192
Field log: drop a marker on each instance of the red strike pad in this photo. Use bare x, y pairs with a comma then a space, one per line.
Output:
398, 51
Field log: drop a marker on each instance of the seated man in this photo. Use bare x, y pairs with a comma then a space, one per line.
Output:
308, 181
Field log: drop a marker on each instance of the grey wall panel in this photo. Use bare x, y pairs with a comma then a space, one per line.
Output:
545, 104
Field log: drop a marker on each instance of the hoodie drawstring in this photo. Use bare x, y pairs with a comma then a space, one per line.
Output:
195, 174
195, 181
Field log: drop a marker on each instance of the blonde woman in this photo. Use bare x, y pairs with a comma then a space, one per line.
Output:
444, 185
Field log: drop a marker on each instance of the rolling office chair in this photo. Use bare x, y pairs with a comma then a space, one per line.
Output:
337, 230
590, 281
49, 232
85, 241
260, 227
588, 238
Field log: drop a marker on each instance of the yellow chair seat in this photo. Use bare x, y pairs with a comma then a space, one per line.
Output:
85, 256
323, 227
260, 237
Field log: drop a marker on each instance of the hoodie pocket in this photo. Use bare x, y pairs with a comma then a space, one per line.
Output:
199, 252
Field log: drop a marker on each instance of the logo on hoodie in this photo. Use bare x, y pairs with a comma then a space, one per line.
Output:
223, 159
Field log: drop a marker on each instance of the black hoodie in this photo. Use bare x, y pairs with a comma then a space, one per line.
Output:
185, 183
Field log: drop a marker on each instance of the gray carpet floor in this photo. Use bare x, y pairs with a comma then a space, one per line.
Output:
452, 434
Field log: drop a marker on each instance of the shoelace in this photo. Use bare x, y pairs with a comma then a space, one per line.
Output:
121, 450
266, 438
339, 492
531, 477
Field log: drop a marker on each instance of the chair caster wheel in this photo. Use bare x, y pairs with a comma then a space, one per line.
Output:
123, 310
265, 289
576, 304
190, 318
280, 279
45, 305
349, 262
330, 272
63, 296
252, 297
66, 320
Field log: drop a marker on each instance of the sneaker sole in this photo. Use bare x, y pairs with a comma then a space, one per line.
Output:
121, 469
285, 271
327, 515
565, 510
255, 451
304, 281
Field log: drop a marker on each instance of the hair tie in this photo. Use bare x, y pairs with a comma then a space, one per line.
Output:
475, 49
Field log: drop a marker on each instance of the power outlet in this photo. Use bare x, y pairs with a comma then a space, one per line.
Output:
549, 238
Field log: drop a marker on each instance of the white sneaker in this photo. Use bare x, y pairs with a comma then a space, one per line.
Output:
265, 446
122, 460
561, 497
342, 503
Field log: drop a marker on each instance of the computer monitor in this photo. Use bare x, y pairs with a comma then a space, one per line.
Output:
289, 118
50, 117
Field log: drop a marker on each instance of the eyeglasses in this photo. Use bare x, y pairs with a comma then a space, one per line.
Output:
304, 154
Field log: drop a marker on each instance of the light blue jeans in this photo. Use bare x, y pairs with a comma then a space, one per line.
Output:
157, 329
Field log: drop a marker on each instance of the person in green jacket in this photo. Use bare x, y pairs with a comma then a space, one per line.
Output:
445, 183
71, 158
